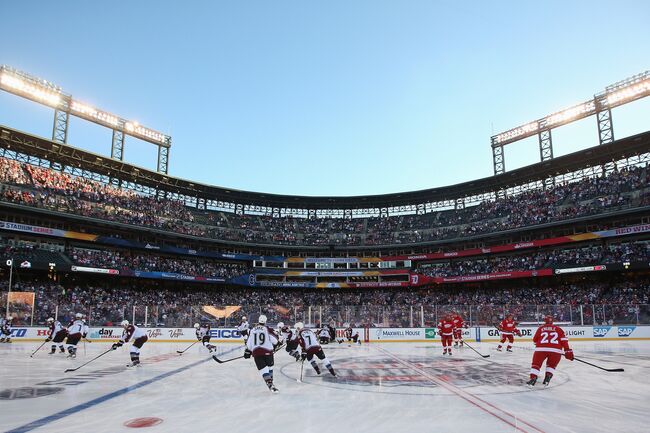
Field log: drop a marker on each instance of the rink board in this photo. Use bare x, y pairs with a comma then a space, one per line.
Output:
372, 335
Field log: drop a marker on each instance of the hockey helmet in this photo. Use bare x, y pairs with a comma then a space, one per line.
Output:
243, 318
299, 325
125, 323
548, 319
197, 326
280, 325
50, 320
78, 315
262, 319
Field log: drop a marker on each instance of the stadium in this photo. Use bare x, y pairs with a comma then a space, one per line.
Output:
95, 239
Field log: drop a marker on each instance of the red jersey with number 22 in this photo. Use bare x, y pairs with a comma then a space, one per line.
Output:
550, 338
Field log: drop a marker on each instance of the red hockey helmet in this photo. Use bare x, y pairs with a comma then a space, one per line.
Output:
548, 319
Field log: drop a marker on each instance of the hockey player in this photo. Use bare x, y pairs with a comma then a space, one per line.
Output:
56, 335
261, 344
291, 338
459, 324
75, 333
135, 334
310, 347
5, 329
203, 335
243, 327
508, 327
446, 330
324, 335
351, 335
550, 343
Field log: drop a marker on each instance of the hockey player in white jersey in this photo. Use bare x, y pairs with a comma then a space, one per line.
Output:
243, 327
137, 336
261, 343
203, 335
75, 332
5, 329
291, 339
324, 335
56, 335
310, 347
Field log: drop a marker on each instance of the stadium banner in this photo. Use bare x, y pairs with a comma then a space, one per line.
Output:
37, 230
495, 276
148, 274
623, 231
374, 335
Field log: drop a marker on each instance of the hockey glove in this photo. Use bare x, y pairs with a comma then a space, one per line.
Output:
303, 355
247, 354
48, 339
569, 355
116, 345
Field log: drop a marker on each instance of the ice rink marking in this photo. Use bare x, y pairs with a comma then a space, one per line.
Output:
71, 411
467, 396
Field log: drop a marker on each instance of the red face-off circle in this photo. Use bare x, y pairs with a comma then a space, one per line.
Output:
142, 422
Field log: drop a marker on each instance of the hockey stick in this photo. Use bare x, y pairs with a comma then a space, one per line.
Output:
611, 370
98, 356
39, 348
180, 352
302, 365
479, 353
223, 361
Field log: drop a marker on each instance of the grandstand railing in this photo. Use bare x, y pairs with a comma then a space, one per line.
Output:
355, 315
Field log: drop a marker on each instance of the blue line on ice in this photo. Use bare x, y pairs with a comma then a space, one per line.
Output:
57, 416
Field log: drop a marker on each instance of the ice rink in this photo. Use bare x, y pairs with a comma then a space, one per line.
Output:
389, 387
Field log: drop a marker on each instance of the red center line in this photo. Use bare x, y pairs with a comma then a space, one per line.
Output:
467, 396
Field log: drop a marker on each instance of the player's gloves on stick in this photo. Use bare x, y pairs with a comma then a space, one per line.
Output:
569, 355
247, 354
48, 339
303, 355
116, 345
518, 332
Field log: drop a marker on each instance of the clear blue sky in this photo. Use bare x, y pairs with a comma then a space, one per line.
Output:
330, 97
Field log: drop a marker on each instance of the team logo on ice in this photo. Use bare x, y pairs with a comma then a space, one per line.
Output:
625, 331
601, 331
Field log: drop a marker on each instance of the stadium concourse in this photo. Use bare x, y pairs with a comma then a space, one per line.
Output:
378, 388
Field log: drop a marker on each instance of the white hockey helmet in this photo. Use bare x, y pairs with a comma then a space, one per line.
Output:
10, 318
262, 319
78, 315
280, 325
50, 320
299, 325
243, 318
197, 326
125, 323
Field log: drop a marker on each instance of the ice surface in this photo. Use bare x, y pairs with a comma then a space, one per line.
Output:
390, 387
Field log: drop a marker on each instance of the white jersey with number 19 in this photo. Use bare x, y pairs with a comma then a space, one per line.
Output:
261, 340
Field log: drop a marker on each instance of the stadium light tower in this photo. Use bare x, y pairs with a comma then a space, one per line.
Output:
622, 92
44, 92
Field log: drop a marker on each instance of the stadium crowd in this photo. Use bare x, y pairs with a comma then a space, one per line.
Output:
558, 257
46, 188
151, 262
616, 300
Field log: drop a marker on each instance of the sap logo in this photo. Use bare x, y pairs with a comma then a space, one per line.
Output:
224, 333
175, 333
154, 333
18, 332
625, 331
601, 331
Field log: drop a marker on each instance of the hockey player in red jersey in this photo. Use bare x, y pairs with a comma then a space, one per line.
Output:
459, 324
446, 331
550, 343
508, 327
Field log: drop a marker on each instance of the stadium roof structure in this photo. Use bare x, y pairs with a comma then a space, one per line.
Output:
59, 156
